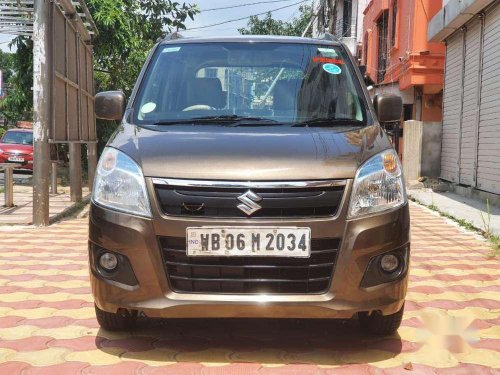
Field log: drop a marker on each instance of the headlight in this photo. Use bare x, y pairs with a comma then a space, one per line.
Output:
120, 185
378, 185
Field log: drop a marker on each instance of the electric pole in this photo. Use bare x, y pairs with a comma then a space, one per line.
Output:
41, 112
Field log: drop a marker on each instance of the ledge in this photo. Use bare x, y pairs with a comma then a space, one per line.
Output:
453, 16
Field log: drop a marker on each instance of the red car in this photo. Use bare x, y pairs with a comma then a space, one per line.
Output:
16, 146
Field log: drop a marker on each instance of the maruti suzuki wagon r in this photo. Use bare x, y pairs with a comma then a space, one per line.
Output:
249, 177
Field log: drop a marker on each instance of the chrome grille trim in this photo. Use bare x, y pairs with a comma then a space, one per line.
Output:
248, 184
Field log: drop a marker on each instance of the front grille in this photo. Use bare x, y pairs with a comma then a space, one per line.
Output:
7, 153
249, 275
223, 202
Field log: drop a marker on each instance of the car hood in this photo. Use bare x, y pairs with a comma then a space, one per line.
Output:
269, 153
16, 148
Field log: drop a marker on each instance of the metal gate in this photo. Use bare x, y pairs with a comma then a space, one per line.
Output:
471, 102
452, 108
488, 154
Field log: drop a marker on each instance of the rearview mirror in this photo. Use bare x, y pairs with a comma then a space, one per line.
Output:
388, 107
110, 105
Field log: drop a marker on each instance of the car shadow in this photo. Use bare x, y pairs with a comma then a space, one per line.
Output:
264, 341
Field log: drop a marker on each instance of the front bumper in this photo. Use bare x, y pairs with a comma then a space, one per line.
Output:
136, 239
27, 164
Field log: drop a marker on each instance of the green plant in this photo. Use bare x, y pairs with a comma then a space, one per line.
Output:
18, 104
495, 251
486, 220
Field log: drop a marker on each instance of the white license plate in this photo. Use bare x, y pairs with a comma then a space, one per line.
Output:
249, 241
16, 159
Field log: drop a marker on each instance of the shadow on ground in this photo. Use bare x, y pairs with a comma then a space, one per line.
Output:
263, 341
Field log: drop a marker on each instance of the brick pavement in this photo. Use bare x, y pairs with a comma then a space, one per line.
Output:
47, 323
22, 212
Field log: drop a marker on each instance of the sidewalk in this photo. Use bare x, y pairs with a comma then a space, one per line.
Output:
460, 207
22, 212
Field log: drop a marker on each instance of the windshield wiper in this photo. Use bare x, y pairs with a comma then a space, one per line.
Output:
223, 119
329, 121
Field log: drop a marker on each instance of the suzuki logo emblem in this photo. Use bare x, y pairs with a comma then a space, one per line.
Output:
249, 203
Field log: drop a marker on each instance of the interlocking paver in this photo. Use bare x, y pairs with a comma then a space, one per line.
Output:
47, 323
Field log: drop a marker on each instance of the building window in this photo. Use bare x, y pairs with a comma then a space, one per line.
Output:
211, 73
382, 30
394, 22
347, 19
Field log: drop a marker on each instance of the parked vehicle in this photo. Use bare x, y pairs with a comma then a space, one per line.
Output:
250, 177
16, 146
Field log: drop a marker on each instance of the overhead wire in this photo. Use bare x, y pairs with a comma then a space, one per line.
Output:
242, 5
247, 17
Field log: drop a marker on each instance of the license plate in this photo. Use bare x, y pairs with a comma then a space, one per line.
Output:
249, 241
16, 159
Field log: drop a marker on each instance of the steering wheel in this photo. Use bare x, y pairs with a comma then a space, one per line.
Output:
198, 107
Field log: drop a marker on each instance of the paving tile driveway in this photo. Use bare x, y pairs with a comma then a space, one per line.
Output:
47, 324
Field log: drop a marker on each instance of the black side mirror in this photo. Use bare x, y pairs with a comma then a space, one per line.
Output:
110, 105
389, 108
362, 69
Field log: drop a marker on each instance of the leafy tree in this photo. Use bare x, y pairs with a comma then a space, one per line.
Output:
6, 69
18, 104
6, 66
270, 26
128, 29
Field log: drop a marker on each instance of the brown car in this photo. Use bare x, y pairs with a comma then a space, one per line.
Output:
249, 177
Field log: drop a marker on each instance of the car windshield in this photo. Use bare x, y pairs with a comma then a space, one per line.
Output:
273, 83
23, 138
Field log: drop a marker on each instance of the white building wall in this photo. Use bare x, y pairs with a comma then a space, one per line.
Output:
358, 6
471, 128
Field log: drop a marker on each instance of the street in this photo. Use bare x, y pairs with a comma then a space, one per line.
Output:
47, 323
20, 177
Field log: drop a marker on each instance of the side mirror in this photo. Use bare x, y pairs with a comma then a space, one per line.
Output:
362, 69
110, 105
389, 108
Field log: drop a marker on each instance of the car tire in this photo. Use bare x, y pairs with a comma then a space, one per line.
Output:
380, 325
123, 320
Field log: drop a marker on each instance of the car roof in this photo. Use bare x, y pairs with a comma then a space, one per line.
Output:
177, 38
20, 130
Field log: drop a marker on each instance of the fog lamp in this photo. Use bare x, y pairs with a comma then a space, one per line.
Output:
108, 261
389, 263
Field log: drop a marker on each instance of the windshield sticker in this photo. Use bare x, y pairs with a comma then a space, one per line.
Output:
328, 52
171, 49
332, 69
148, 107
318, 59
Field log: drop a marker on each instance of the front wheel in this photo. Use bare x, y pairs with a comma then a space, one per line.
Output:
120, 321
381, 325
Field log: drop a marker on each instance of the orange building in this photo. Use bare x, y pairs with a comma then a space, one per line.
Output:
400, 59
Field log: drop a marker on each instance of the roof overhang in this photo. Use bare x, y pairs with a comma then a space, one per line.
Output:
453, 16
17, 16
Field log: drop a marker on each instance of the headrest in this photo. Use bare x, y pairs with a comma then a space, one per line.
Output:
286, 94
206, 91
